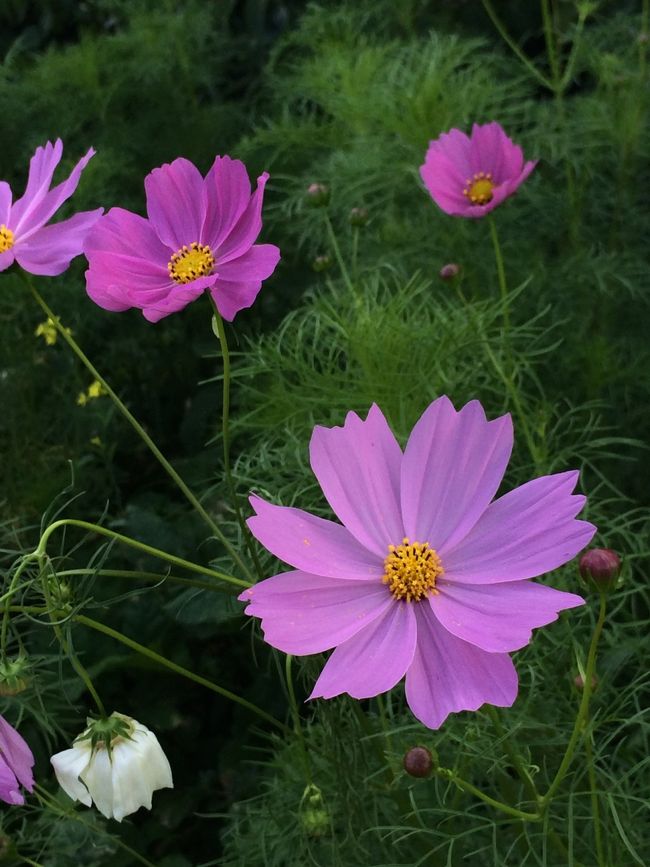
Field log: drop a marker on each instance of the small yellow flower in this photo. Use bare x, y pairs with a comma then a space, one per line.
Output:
96, 441
47, 330
82, 400
95, 390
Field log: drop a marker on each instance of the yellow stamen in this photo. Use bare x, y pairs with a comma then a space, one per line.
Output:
479, 188
411, 570
191, 262
6, 238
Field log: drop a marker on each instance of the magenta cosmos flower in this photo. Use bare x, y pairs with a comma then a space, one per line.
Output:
24, 235
200, 235
16, 763
427, 576
468, 176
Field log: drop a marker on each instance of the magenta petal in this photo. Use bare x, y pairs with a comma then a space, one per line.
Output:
5, 203
228, 193
525, 533
373, 660
256, 264
358, 468
16, 753
176, 202
37, 211
498, 617
493, 151
449, 675
177, 298
303, 613
230, 298
244, 233
126, 233
50, 250
453, 465
9, 790
39, 180
312, 544
7, 259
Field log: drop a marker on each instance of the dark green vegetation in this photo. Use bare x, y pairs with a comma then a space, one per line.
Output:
348, 94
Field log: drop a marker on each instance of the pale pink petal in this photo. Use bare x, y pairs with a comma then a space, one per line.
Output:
41, 170
492, 151
179, 296
498, 617
9, 790
230, 298
312, 544
453, 465
256, 264
50, 250
176, 203
449, 675
7, 259
358, 468
244, 233
303, 613
5, 203
16, 754
523, 534
34, 213
373, 660
228, 193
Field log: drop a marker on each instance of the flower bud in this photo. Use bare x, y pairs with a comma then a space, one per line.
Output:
418, 762
359, 217
600, 568
449, 271
314, 817
117, 763
322, 262
16, 763
318, 195
13, 676
579, 682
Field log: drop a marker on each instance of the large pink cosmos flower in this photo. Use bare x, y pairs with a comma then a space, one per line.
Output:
200, 235
468, 176
24, 235
427, 577
16, 763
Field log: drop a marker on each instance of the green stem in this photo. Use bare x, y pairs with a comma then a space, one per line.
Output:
645, 25
595, 803
530, 66
5, 599
513, 754
225, 434
503, 286
339, 257
151, 577
137, 427
178, 669
583, 710
297, 724
132, 543
448, 774
551, 51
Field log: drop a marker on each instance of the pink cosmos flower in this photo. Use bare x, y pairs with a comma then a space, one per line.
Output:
425, 576
24, 235
468, 176
200, 235
16, 762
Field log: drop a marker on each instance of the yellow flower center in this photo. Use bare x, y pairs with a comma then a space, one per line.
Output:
6, 239
411, 570
191, 262
479, 188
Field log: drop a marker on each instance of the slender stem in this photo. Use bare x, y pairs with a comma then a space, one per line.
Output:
643, 44
225, 434
530, 66
501, 272
583, 710
595, 803
178, 669
355, 254
14, 586
140, 546
151, 577
137, 427
448, 774
337, 253
513, 754
551, 48
297, 725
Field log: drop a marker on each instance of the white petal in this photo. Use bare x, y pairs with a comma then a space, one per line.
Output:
99, 779
68, 766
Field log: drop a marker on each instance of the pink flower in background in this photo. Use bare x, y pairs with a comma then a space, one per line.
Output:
468, 176
16, 763
24, 235
200, 234
427, 576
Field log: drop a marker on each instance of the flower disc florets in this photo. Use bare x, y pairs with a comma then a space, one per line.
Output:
191, 262
411, 570
6, 239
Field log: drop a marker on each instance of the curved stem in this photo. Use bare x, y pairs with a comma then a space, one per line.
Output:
501, 272
178, 669
225, 434
297, 725
447, 774
583, 710
513, 754
14, 586
530, 66
151, 577
595, 803
140, 546
137, 427
337, 253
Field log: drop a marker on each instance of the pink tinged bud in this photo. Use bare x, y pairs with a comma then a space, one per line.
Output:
579, 682
600, 568
418, 762
322, 263
318, 195
359, 217
16, 763
449, 271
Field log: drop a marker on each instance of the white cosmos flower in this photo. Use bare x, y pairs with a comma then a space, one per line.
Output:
119, 778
